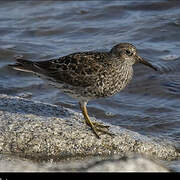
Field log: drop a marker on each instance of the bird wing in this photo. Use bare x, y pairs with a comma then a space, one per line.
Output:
78, 69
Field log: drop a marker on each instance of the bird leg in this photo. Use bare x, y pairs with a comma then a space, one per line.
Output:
86, 117
94, 125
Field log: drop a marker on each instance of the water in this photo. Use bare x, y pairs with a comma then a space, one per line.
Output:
41, 30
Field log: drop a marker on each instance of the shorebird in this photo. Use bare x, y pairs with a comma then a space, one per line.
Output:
88, 75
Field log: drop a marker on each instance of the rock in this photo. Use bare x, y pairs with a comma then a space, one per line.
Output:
41, 131
113, 164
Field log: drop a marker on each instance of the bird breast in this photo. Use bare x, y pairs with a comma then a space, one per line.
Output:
112, 81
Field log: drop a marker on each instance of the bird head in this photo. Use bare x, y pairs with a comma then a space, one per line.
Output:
127, 52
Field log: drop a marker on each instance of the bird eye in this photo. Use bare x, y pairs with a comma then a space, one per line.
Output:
129, 53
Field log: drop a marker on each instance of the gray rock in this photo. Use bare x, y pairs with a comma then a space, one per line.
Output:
41, 131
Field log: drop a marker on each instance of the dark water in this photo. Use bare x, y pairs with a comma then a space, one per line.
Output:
40, 30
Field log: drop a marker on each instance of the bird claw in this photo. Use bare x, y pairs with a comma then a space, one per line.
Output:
98, 127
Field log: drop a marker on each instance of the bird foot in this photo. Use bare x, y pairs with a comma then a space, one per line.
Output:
98, 127
95, 126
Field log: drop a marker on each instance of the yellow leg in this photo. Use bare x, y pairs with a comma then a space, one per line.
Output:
94, 125
87, 119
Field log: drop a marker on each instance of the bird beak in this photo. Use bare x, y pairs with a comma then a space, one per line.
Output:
141, 60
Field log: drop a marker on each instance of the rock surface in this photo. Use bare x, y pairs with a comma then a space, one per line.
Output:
41, 131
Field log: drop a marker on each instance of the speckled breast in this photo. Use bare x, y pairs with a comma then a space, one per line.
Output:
107, 84
104, 84
113, 82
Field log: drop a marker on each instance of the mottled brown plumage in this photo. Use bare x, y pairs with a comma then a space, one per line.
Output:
88, 75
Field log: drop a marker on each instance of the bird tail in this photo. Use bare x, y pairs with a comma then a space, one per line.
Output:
23, 65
